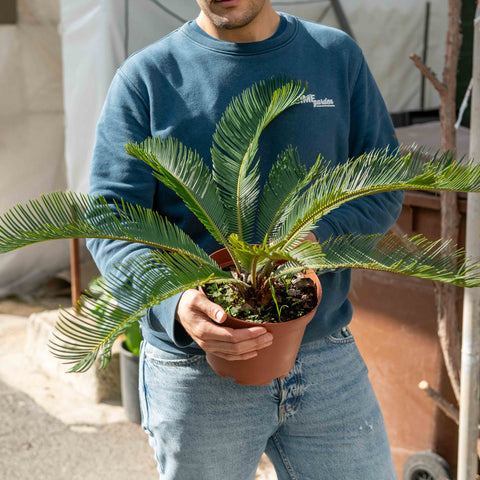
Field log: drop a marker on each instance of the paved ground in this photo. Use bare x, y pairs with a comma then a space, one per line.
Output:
36, 445
48, 431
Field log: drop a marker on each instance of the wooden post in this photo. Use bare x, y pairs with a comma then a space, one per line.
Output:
425, 53
446, 295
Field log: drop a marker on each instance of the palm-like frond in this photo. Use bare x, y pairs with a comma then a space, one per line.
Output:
81, 336
182, 170
375, 172
90, 331
286, 180
226, 202
62, 215
235, 144
415, 257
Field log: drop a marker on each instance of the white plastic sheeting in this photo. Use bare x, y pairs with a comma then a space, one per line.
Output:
388, 31
99, 34
31, 133
96, 36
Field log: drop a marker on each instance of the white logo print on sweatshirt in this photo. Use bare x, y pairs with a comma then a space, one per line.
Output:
322, 103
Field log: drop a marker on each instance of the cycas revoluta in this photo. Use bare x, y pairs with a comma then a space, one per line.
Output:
235, 209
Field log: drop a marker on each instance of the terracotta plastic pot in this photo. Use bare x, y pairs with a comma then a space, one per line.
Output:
271, 362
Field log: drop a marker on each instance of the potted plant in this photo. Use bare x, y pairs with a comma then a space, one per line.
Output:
129, 363
232, 206
129, 350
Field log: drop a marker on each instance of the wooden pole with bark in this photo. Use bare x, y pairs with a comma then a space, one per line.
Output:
446, 295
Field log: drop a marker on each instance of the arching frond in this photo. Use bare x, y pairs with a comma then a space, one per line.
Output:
415, 257
182, 170
376, 172
305, 254
235, 144
61, 215
83, 334
286, 180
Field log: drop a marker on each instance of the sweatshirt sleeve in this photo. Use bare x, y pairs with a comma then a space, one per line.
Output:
116, 175
370, 128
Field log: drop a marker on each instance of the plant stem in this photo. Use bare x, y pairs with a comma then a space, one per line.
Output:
267, 269
272, 289
253, 273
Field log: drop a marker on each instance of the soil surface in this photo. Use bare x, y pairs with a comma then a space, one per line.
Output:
276, 301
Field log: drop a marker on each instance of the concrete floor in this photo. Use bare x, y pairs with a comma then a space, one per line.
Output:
48, 431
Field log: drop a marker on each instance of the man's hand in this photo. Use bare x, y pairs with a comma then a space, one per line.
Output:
199, 316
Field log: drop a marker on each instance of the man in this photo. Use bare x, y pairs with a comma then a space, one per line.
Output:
322, 421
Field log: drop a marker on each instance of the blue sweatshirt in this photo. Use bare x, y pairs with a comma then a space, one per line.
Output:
180, 86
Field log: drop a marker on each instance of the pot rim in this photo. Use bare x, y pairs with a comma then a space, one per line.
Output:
308, 273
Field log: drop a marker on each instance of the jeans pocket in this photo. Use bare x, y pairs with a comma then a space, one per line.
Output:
160, 357
341, 336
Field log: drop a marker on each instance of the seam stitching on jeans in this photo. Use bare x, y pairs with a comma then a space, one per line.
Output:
283, 456
145, 420
339, 341
282, 396
297, 391
275, 389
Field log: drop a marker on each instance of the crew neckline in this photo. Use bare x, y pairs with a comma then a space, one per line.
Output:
285, 32
280, 29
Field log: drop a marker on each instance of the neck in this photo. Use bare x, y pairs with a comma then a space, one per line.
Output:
263, 26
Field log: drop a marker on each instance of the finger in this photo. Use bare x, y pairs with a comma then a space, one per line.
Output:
245, 356
236, 349
209, 331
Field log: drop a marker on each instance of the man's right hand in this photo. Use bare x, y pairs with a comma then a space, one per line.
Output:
199, 316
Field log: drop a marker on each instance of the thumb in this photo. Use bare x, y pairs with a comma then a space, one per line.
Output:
212, 310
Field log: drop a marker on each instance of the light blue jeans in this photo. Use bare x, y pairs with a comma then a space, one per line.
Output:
321, 422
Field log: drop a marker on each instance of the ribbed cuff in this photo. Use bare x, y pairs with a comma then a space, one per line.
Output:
162, 318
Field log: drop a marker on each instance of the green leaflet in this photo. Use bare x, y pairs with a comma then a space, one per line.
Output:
182, 170
61, 215
415, 256
286, 181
